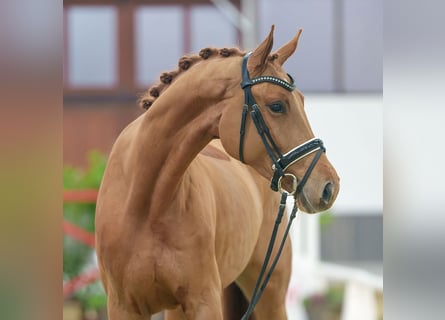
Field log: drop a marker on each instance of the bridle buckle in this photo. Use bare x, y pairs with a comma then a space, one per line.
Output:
294, 184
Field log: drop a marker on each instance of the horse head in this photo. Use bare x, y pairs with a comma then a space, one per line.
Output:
276, 138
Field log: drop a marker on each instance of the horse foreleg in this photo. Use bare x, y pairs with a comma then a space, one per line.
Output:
197, 289
204, 304
117, 312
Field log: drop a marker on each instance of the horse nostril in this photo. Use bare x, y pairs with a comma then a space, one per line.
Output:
327, 193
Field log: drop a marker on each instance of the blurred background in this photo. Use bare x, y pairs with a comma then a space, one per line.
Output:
114, 50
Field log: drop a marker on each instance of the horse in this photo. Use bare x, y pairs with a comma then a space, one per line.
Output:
185, 208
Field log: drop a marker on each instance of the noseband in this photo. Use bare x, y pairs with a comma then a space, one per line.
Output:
280, 164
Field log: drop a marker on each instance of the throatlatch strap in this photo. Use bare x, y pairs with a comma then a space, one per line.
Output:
242, 132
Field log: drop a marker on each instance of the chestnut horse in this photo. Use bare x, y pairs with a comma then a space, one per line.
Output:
179, 217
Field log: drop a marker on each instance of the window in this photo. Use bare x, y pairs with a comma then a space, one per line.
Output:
210, 28
92, 46
118, 48
159, 41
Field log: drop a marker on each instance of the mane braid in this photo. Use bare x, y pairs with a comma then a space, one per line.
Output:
147, 98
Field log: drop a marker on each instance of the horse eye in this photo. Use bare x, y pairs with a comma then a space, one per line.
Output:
277, 107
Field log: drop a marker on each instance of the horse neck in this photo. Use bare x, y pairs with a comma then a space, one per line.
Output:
180, 124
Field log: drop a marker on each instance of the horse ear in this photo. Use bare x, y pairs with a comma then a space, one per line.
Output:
288, 49
258, 58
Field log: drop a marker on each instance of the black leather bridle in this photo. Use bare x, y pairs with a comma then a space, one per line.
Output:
280, 161
280, 164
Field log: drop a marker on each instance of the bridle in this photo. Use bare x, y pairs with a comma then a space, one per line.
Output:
280, 161
280, 164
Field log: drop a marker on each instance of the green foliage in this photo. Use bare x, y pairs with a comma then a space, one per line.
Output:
75, 254
334, 296
75, 178
92, 297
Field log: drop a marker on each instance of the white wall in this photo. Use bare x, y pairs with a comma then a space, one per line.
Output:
351, 126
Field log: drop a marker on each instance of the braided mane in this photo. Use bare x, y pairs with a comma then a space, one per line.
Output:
185, 62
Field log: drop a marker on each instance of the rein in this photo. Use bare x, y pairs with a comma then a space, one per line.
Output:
280, 164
